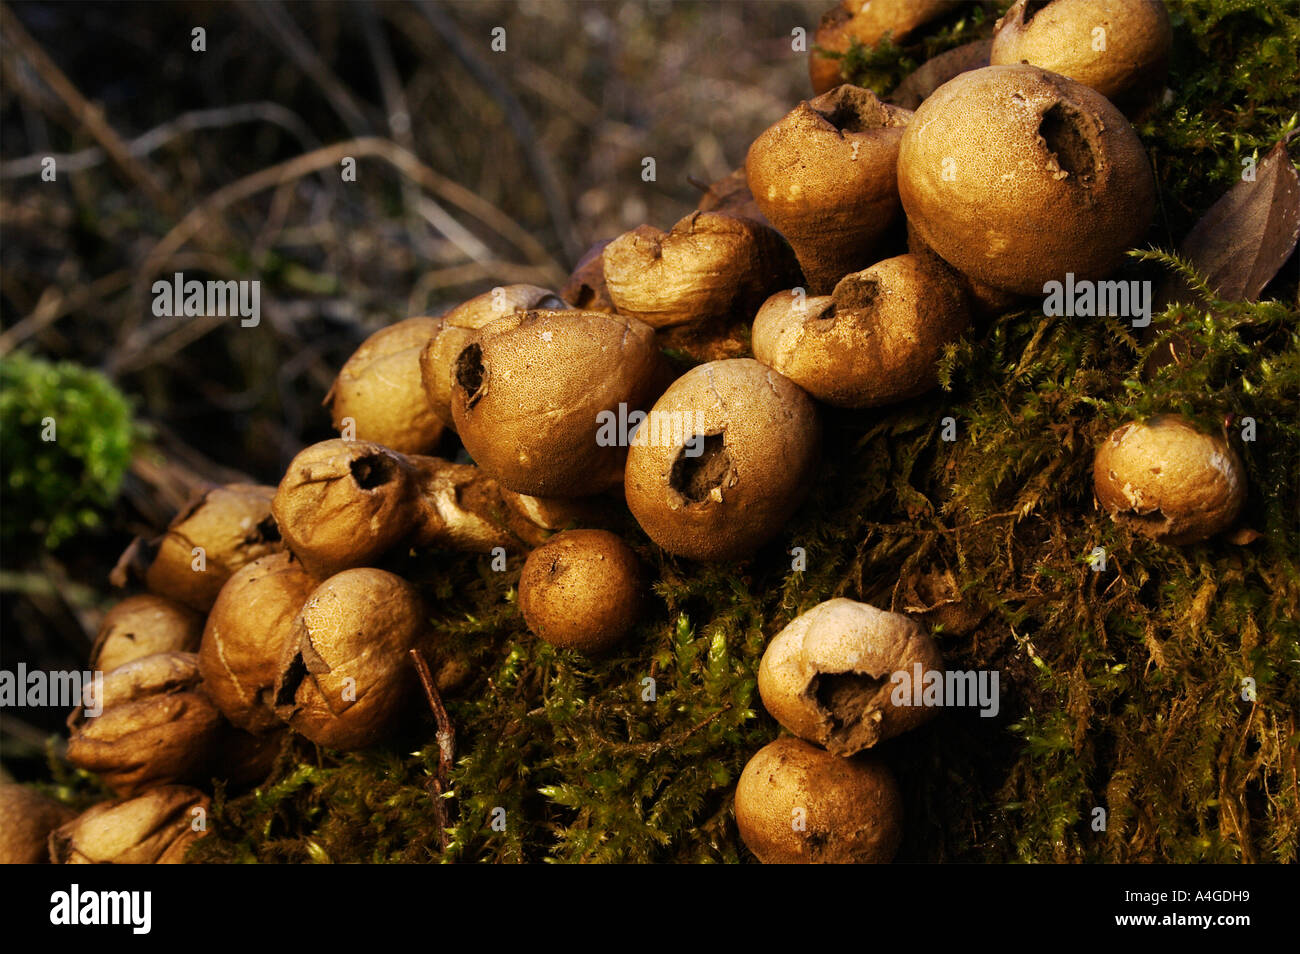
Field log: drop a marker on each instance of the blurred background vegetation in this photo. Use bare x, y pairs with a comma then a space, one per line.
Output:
478, 168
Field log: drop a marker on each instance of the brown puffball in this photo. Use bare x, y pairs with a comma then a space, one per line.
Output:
709, 267
825, 176
141, 626
246, 632
723, 460
1120, 48
867, 21
345, 672
827, 677
438, 359
380, 389
585, 289
532, 390
876, 340
984, 301
731, 195
26, 819
581, 590
156, 828
937, 70
233, 527
796, 804
157, 725
1016, 176
1168, 480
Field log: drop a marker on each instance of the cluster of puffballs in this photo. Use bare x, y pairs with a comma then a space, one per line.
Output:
268, 610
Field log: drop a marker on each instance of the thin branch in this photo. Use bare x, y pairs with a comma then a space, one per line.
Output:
446, 737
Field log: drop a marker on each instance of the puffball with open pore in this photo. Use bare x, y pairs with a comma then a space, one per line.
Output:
346, 669
581, 590
246, 632
457, 327
710, 267
827, 676
531, 389
1120, 48
875, 340
381, 390
1168, 480
723, 460
1016, 176
142, 625
826, 177
797, 804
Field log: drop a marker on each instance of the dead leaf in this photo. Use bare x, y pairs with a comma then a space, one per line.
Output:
1244, 535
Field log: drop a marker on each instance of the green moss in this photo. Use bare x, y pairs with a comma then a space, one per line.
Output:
1121, 689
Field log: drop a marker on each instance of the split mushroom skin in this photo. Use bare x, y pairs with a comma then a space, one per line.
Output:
581, 590
531, 389
826, 177
827, 677
381, 390
1120, 48
797, 804
1168, 480
156, 828
1016, 176
727, 455
875, 340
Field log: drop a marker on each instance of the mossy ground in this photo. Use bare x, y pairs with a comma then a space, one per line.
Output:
1121, 689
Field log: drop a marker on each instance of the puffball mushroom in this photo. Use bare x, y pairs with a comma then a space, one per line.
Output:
380, 389
875, 340
723, 460
867, 21
709, 267
157, 725
1168, 480
585, 289
731, 195
827, 676
826, 177
1016, 176
531, 391
26, 819
345, 504
797, 804
156, 828
1120, 48
218, 532
438, 359
345, 671
141, 626
246, 632
581, 590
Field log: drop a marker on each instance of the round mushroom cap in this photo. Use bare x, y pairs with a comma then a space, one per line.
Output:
344, 504
711, 266
1016, 176
232, 525
26, 819
723, 460
533, 390
1168, 480
142, 625
381, 390
1128, 56
827, 677
875, 340
157, 725
246, 634
796, 804
155, 828
826, 177
438, 359
581, 590
345, 672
